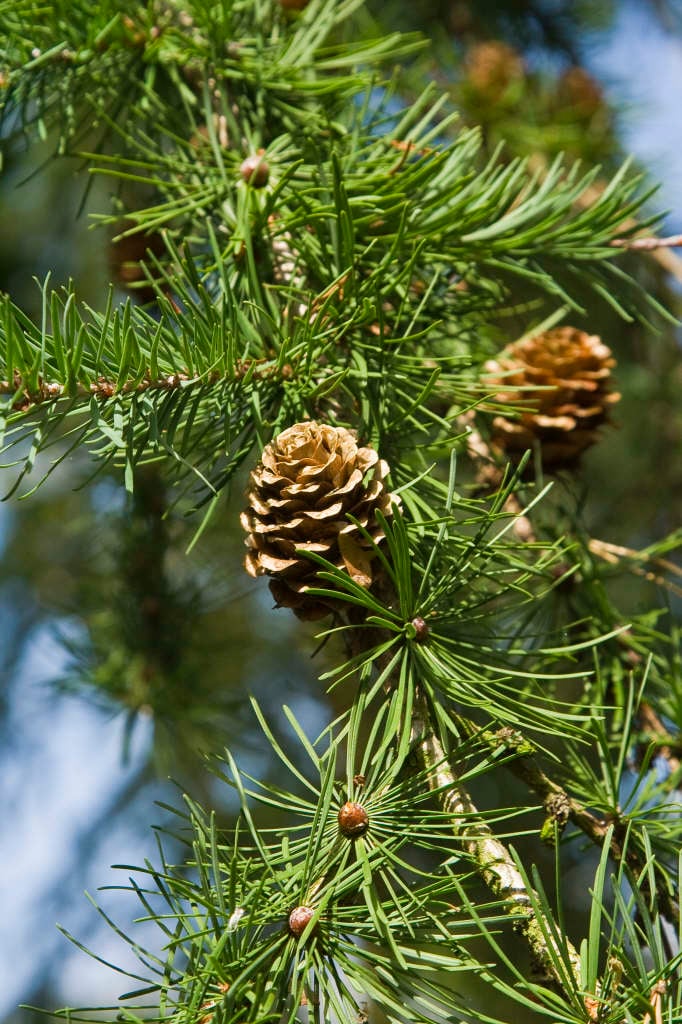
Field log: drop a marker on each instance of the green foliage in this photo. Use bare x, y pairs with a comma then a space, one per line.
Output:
117, 66
225, 362
230, 949
344, 276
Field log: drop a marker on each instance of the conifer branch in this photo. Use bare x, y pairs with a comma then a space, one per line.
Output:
357, 288
562, 808
648, 244
104, 388
493, 861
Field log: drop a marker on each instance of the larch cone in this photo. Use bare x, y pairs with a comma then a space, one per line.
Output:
574, 370
311, 477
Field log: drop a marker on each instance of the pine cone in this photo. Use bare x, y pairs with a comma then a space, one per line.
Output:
575, 367
577, 88
491, 67
311, 476
128, 257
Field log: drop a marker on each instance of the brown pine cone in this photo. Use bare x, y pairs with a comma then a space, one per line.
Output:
577, 88
128, 258
491, 67
575, 368
310, 477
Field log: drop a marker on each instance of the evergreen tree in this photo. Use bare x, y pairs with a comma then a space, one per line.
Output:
390, 325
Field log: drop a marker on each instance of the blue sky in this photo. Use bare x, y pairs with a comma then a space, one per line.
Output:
641, 65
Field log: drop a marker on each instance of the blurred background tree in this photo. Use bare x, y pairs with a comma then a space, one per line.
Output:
104, 619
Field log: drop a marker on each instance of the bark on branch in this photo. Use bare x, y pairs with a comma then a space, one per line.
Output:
561, 807
493, 862
103, 388
648, 244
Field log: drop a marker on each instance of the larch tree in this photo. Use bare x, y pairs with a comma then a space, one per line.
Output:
368, 322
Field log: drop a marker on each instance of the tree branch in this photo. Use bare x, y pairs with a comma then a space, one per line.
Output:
104, 388
647, 244
616, 553
561, 808
493, 861
669, 261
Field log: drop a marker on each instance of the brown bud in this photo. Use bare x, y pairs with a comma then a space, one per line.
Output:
255, 171
577, 88
564, 578
353, 820
134, 34
460, 18
211, 1004
299, 919
421, 629
632, 658
293, 5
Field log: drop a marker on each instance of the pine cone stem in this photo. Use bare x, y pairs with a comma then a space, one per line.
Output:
490, 475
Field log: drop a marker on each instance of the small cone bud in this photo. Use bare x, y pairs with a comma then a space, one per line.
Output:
353, 820
421, 629
299, 919
255, 171
573, 369
578, 89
